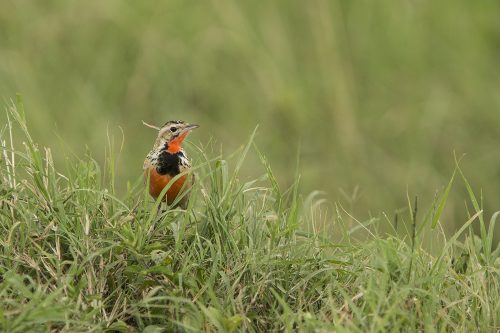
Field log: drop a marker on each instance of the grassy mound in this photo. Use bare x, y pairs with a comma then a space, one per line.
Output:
245, 256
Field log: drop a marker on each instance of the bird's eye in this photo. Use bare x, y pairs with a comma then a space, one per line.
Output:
173, 129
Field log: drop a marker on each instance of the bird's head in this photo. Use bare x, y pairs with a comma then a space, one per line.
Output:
172, 134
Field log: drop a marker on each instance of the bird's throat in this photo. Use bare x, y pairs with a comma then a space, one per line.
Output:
174, 146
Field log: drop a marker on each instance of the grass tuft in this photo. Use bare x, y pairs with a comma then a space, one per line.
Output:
245, 255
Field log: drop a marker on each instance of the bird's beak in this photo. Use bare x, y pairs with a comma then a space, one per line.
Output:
191, 127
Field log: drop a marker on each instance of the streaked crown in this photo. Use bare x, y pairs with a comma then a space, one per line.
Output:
175, 129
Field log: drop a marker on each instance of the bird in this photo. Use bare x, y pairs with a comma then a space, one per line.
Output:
168, 159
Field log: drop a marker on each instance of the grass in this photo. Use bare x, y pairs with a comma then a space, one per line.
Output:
245, 256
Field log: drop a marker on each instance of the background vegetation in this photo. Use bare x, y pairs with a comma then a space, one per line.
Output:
376, 96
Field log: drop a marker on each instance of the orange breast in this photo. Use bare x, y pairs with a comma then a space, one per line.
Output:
158, 182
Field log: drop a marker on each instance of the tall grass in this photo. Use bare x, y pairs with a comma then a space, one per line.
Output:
247, 255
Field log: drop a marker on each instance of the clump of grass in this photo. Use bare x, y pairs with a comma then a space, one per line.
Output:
245, 256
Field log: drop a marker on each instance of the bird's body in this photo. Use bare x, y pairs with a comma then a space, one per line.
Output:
166, 161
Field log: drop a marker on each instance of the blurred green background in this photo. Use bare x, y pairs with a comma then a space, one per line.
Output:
377, 94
